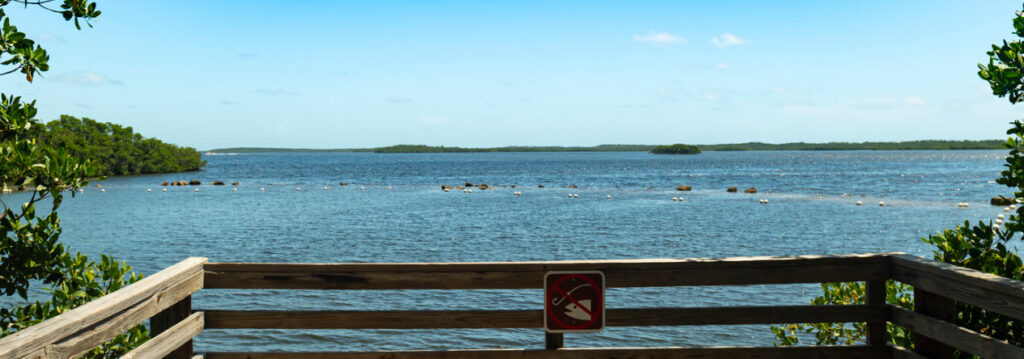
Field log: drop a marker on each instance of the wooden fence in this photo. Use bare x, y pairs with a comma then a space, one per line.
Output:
164, 298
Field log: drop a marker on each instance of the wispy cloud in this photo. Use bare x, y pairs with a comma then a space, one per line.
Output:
87, 79
660, 38
275, 92
432, 120
398, 100
51, 37
886, 103
722, 66
915, 101
727, 39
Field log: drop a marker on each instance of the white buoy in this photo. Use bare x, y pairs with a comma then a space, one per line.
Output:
149, 190
881, 203
1013, 207
389, 188
681, 199
298, 189
763, 201
325, 188
859, 203
235, 189
362, 188
470, 191
81, 190
570, 195
1000, 216
197, 190
995, 227
675, 199
165, 190
999, 221
1006, 209
261, 189
608, 197
575, 195
103, 189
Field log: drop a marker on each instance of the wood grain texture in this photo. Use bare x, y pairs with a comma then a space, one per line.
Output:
955, 336
523, 275
992, 292
840, 352
88, 338
876, 332
227, 319
170, 340
167, 319
34, 340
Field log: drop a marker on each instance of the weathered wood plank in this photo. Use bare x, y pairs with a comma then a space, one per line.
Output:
32, 340
876, 332
899, 352
992, 292
841, 352
86, 339
521, 275
167, 319
228, 319
955, 336
170, 340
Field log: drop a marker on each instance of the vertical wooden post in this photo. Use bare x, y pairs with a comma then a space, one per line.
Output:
876, 332
168, 318
939, 307
553, 341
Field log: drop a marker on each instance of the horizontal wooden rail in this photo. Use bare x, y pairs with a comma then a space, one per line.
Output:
478, 319
955, 336
992, 292
168, 341
86, 327
526, 275
840, 352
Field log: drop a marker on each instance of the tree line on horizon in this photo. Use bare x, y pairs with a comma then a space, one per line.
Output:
747, 146
116, 150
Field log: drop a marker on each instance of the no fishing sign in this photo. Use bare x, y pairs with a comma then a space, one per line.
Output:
573, 302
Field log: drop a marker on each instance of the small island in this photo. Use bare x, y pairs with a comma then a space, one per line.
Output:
676, 149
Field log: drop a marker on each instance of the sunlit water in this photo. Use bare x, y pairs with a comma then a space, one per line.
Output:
807, 213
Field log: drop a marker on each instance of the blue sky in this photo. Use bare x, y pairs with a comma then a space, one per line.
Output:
321, 74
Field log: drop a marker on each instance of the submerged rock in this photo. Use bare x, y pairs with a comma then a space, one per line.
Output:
218, 183
750, 190
194, 182
684, 188
732, 189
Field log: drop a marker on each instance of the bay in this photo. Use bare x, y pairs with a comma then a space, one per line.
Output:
393, 210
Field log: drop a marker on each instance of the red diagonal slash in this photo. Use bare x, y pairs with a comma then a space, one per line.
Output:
567, 296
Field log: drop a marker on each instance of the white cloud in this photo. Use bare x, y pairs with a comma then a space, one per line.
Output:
914, 101
660, 38
722, 66
727, 39
87, 79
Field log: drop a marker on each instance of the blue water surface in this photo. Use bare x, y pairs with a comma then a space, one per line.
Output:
393, 210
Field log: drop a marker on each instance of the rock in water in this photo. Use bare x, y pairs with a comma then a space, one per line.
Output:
732, 189
684, 188
750, 190
1001, 201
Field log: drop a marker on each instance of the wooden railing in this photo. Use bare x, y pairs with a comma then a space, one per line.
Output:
165, 297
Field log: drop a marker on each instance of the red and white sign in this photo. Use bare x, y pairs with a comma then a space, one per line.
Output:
573, 302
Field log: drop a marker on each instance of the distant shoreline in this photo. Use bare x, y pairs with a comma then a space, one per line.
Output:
749, 146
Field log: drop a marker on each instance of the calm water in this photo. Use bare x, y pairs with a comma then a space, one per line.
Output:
415, 221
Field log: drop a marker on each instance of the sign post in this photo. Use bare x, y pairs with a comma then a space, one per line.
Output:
574, 302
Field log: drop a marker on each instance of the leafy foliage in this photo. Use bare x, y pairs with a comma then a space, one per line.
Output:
676, 149
984, 246
116, 150
30, 250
